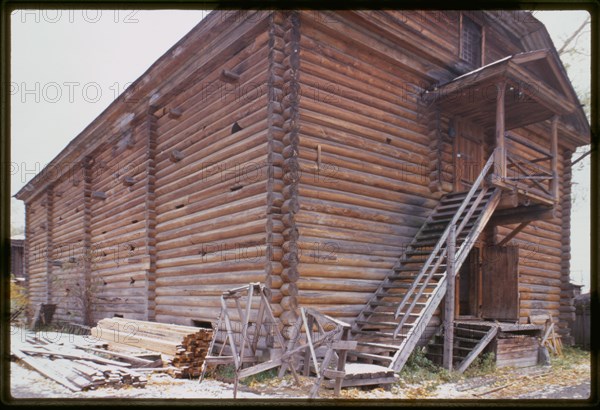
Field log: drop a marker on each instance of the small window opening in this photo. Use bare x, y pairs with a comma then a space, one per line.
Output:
118, 315
202, 324
471, 42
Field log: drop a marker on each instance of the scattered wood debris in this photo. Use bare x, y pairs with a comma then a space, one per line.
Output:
73, 368
182, 347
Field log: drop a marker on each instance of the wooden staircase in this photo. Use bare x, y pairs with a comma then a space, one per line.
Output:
392, 322
469, 342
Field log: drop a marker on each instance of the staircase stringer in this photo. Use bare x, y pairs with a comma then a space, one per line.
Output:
415, 333
477, 349
385, 281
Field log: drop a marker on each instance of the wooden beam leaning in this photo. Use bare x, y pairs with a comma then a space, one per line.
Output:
514, 233
449, 308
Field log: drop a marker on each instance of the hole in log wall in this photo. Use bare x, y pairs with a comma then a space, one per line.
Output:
117, 315
131, 246
235, 128
388, 140
132, 281
134, 221
202, 324
179, 206
236, 188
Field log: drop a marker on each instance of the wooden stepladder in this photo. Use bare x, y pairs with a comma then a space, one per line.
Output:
326, 335
243, 349
321, 334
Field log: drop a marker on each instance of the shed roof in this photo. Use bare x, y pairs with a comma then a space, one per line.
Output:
537, 90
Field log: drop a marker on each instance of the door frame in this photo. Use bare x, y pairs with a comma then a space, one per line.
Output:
478, 286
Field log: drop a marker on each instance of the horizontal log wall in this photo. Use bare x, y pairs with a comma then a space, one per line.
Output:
118, 227
68, 251
36, 233
363, 159
211, 184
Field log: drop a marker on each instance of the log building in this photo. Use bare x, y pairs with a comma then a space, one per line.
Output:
393, 169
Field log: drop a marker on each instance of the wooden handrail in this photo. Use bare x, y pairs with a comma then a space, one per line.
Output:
438, 252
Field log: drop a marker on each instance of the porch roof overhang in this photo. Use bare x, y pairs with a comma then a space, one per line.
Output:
536, 91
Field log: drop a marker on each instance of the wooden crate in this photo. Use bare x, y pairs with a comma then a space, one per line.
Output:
517, 351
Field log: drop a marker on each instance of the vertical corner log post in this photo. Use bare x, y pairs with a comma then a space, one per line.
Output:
554, 152
27, 260
87, 241
500, 152
150, 216
449, 308
49, 245
276, 123
291, 166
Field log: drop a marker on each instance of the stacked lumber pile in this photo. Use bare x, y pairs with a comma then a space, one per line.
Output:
71, 366
183, 347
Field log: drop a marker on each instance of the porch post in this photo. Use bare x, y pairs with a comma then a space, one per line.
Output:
554, 152
449, 308
500, 153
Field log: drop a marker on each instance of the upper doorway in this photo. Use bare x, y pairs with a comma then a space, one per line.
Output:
468, 154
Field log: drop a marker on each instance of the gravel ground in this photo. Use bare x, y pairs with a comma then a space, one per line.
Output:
538, 382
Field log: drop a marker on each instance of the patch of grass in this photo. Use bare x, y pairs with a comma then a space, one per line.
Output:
571, 356
226, 373
419, 369
261, 377
222, 372
483, 365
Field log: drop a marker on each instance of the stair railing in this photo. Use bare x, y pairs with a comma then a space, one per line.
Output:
439, 252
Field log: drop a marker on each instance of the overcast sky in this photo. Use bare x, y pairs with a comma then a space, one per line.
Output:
69, 65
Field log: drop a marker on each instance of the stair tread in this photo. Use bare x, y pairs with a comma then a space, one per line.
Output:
392, 304
368, 322
466, 349
373, 356
464, 329
379, 345
394, 295
377, 333
466, 339
393, 276
444, 214
403, 285
454, 205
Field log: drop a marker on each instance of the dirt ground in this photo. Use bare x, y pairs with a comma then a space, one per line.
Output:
568, 378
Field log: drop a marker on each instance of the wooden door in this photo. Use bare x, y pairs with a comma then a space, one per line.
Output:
500, 283
468, 156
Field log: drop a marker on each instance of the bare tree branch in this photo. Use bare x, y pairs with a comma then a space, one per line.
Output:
573, 36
